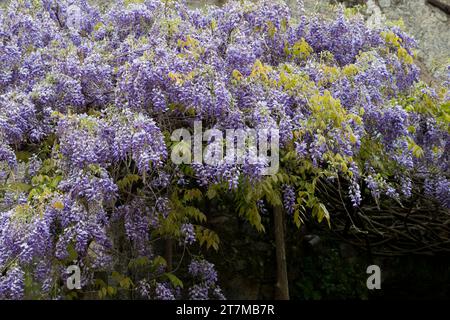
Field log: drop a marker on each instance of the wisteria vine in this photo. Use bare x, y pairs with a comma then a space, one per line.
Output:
87, 108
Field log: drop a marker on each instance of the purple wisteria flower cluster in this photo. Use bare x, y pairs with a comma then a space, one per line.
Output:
207, 288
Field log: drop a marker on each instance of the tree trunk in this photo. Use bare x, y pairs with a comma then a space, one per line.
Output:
282, 285
168, 254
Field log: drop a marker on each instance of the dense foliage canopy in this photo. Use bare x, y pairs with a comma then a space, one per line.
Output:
88, 104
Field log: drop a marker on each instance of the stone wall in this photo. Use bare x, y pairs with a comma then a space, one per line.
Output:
427, 21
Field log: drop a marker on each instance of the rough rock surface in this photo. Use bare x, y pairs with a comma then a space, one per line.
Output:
429, 25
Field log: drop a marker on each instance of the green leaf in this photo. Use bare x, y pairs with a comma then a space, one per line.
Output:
211, 193
99, 283
417, 151
55, 182
73, 254
192, 194
176, 282
207, 237
159, 261
254, 218
111, 291
194, 213
127, 181
23, 156
116, 276
140, 262
126, 283
19, 187
297, 219
323, 213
